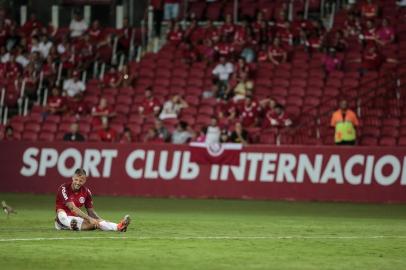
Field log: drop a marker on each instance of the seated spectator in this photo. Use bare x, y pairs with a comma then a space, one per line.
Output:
73, 86
277, 118
223, 48
368, 35
372, 60
95, 32
150, 104
249, 112
202, 135
385, 34
127, 136
239, 135
56, 103
222, 71
112, 78
162, 131
314, 42
263, 54
31, 25
175, 35
44, 46
152, 136
345, 122
172, 107
213, 132
106, 133
277, 55
244, 85
339, 42
77, 26
78, 107
9, 134
227, 28
102, 111
73, 135
331, 62
181, 134
212, 92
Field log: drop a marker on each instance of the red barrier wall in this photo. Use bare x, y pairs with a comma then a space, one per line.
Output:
357, 174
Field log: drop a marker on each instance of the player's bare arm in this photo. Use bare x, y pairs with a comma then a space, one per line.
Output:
81, 214
92, 213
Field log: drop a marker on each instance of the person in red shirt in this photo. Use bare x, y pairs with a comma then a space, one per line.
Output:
228, 28
124, 36
368, 35
175, 36
150, 105
249, 112
212, 32
12, 69
31, 24
95, 32
78, 107
277, 55
112, 78
71, 197
277, 117
56, 102
106, 133
369, 10
101, 111
385, 33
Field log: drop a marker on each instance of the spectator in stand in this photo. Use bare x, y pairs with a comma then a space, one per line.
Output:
106, 133
202, 135
369, 10
126, 76
372, 60
150, 104
73, 135
222, 72
181, 134
243, 87
125, 34
112, 78
127, 136
331, 62
49, 71
171, 9
277, 117
95, 32
277, 55
213, 132
368, 36
345, 122
9, 134
224, 48
56, 103
175, 35
385, 34
239, 134
262, 55
73, 86
78, 107
249, 112
339, 42
31, 25
152, 136
13, 70
212, 92
173, 107
228, 27
158, 6
44, 46
162, 131
77, 26
102, 111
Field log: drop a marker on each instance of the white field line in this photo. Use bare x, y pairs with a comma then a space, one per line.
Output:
295, 237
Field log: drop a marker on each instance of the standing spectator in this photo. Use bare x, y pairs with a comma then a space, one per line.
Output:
77, 26
102, 111
331, 62
345, 122
277, 117
73, 86
172, 107
249, 112
213, 132
106, 133
162, 131
171, 9
158, 15
73, 135
150, 104
181, 135
222, 71
56, 103
239, 135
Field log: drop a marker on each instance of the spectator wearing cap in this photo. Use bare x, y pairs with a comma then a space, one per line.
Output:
73, 86
73, 135
344, 122
77, 26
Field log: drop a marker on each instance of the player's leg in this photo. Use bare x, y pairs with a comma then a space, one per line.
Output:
111, 226
65, 222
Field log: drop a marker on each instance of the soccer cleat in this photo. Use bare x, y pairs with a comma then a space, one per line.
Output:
74, 225
122, 226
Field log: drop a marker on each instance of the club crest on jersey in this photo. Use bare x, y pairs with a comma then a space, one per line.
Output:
82, 200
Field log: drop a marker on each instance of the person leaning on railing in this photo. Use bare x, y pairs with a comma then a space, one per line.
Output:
345, 122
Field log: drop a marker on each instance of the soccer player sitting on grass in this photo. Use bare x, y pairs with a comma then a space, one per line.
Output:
70, 198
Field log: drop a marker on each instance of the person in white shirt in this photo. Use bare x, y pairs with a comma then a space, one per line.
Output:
5, 55
35, 45
181, 134
213, 132
77, 26
223, 70
45, 46
172, 107
73, 86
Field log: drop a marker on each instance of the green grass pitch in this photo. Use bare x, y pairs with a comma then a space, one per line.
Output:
208, 234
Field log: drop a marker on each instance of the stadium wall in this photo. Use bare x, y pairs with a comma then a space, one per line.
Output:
322, 173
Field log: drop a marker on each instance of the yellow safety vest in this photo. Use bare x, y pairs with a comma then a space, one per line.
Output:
344, 131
